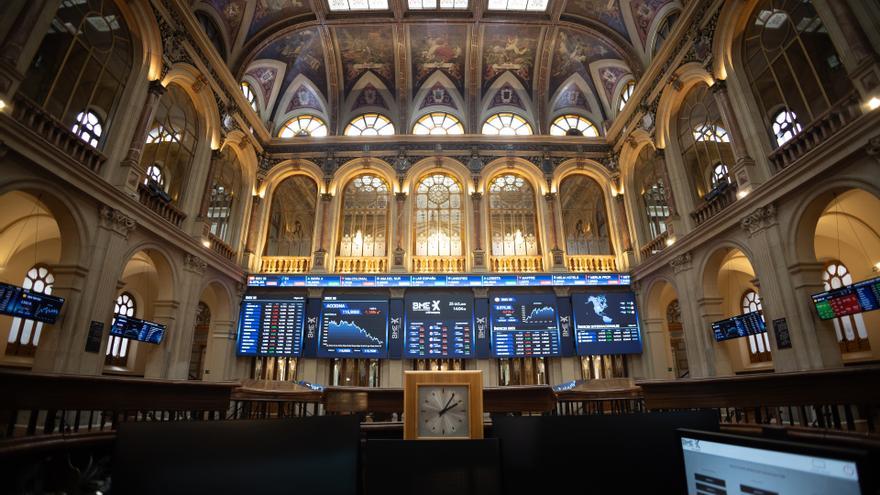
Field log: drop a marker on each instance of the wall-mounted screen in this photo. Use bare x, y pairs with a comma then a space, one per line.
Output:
739, 326
132, 328
352, 327
606, 323
851, 299
30, 305
438, 325
458, 280
524, 325
271, 326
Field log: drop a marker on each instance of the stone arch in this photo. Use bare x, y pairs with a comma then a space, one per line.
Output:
686, 76
359, 166
610, 190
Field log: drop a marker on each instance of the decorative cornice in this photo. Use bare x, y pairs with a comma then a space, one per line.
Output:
759, 219
194, 264
873, 148
117, 221
681, 262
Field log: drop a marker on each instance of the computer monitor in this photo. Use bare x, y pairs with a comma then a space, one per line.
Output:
719, 464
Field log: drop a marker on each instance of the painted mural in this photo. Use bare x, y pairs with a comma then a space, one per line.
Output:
574, 53
644, 13
438, 47
265, 76
369, 97
506, 96
509, 48
303, 97
571, 97
438, 96
232, 12
610, 77
268, 12
304, 54
366, 48
608, 12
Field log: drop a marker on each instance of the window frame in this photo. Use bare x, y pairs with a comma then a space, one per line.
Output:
499, 131
376, 118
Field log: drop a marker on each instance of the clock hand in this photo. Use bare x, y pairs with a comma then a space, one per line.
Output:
446, 407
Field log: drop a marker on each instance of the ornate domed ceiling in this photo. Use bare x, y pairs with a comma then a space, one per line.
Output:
300, 57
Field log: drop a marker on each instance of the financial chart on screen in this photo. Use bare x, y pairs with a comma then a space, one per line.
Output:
438, 325
524, 325
606, 323
353, 328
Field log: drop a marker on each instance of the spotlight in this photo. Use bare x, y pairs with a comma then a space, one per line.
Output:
873, 103
206, 243
2, 104
670, 241
742, 194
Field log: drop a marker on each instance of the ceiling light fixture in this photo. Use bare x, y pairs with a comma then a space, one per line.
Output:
874, 103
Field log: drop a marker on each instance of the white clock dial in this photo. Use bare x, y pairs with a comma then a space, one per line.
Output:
443, 411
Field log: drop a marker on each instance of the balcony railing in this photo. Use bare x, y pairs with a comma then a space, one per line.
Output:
30, 115
593, 263
285, 264
350, 264
825, 126
655, 246
516, 263
439, 264
163, 208
220, 247
710, 208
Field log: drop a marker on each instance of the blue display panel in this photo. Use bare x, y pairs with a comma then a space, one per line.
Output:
606, 323
270, 326
353, 328
438, 325
132, 328
524, 325
30, 305
851, 299
739, 326
536, 280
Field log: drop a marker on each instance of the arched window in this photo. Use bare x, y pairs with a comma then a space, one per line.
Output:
88, 127
117, 347
759, 345
664, 30
364, 225
703, 139
370, 124
224, 186
653, 192
791, 63
439, 223
584, 221
506, 124
720, 175
212, 32
154, 174
172, 140
785, 126
513, 222
852, 333
303, 126
83, 62
249, 94
573, 125
292, 218
625, 94
24, 335
438, 124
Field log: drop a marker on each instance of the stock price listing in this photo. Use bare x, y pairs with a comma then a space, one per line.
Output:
439, 326
524, 326
271, 326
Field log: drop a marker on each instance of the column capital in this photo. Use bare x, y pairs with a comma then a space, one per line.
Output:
720, 86
400, 196
550, 196
681, 262
759, 219
156, 88
476, 195
326, 197
194, 264
116, 221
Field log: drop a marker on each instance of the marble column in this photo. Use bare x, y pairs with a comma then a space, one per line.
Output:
12, 63
557, 254
656, 345
674, 224
479, 253
323, 219
221, 351
399, 251
132, 170
254, 225
859, 57
744, 171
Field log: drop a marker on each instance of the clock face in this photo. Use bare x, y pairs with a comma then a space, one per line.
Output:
443, 411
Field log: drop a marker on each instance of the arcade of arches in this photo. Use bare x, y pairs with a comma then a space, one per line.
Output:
722, 155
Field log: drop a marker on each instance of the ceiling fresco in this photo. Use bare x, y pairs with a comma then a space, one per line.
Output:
438, 47
269, 12
607, 12
510, 48
365, 49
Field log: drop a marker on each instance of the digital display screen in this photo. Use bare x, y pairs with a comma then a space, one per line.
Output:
271, 326
132, 328
606, 323
353, 328
438, 325
30, 305
851, 299
739, 326
524, 325
531, 280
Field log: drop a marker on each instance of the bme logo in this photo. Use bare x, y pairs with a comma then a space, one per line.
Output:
426, 306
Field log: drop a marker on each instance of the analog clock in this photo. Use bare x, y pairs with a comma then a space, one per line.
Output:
443, 411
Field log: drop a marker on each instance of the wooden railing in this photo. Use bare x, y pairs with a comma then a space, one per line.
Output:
656, 245
285, 264
220, 247
818, 132
351, 264
30, 115
592, 263
163, 208
710, 208
439, 264
516, 264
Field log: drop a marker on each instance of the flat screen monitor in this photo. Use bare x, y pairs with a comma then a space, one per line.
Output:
352, 327
438, 325
271, 326
606, 322
851, 299
739, 326
129, 327
716, 463
30, 305
524, 325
